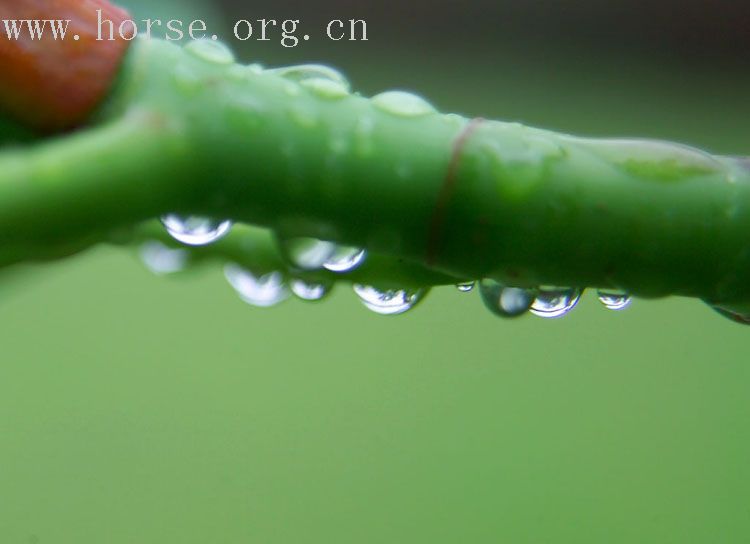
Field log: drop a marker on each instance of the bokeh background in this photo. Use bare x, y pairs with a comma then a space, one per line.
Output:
141, 409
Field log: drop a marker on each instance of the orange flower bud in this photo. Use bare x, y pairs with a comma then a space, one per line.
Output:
51, 82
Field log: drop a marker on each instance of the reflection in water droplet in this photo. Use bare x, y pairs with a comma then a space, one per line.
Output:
614, 300
210, 51
553, 302
263, 292
505, 301
307, 253
465, 287
194, 230
161, 259
345, 259
308, 291
402, 104
389, 302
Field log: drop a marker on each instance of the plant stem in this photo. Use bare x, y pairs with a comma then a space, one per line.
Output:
200, 134
69, 192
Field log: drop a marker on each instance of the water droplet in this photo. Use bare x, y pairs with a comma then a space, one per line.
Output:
304, 72
403, 104
264, 291
654, 159
389, 302
345, 259
326, 88
505, 301
309, 291
465, 287
161, 259
308, 253
614, 300
553, 302
210, 51
194, 230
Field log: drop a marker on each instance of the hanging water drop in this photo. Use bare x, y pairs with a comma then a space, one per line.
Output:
161, 259
505, 301
345, 259
614, 300
403, 104
465, 287
307, 253
388, 302
194, 230
554, 302
308, 291
264, 291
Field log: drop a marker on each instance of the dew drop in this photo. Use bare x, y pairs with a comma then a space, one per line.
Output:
505, 301
194, 230
304, 72
263, 292
345, 259
389, 302
308, 291
210, 51
403, 104
614, 300
466, 286
308, 253
553, 302
161, 259
326, 88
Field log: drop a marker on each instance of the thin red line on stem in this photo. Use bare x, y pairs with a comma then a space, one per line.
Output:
447, 189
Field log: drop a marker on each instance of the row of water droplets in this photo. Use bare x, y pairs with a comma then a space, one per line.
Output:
304, 254
310, 254
544, 301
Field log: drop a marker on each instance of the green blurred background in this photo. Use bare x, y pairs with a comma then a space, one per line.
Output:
140, 409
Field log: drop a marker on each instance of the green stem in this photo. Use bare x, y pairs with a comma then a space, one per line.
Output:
73, 191
200, 134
